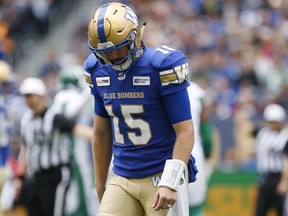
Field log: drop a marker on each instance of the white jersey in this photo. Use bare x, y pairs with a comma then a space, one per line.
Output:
76, 103
196, 95
197, 190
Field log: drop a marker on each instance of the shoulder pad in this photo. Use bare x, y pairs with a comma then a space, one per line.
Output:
165, 57
171, 64
89, 65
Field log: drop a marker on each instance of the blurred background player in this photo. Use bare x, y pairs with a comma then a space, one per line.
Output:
138, 93
75, 101
272, 161
5, 125
45, 155
198, 189
12, 107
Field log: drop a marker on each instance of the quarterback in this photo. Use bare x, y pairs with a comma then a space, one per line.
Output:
142, 118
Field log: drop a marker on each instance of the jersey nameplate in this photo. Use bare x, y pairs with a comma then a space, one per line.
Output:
103, 81
141, 80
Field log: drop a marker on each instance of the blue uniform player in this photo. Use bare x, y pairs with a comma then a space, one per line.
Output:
142, 108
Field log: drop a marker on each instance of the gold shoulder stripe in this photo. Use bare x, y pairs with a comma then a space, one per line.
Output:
173, 76
168, 77
88, 78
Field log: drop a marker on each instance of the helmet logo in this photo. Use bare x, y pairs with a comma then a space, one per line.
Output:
130, 15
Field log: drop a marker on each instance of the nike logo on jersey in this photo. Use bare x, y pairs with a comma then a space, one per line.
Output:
141, 80
103, 81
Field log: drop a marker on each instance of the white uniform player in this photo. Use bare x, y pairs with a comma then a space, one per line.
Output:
197, 190
75, 101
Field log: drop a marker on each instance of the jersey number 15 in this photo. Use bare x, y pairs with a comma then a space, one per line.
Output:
133, 123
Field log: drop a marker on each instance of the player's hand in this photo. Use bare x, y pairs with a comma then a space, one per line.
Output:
18, 184
164, 198
282, 187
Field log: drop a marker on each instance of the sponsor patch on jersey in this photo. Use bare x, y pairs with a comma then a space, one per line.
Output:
141, 80
103, 81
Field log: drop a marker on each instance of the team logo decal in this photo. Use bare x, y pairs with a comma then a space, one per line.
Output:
155, 180
103, 81
130, 15
176, 75
141, 80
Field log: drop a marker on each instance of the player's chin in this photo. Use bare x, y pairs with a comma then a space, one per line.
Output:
116, 61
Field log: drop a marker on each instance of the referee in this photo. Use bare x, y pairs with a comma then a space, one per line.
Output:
272, 161
45, 152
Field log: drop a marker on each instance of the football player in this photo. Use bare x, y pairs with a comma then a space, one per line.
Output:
142, 108
199, 187
73, 99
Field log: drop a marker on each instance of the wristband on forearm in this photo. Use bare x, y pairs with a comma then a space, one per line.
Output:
172, 174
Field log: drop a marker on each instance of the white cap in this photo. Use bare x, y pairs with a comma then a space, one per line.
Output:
32, 85
274, 112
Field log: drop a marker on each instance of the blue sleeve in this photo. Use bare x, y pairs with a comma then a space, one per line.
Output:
90, 66
173, 69
178, 106
99, 109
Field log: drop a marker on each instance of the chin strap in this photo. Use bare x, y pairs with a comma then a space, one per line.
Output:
172, 174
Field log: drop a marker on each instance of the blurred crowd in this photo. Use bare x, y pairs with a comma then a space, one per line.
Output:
23, 23
237, 52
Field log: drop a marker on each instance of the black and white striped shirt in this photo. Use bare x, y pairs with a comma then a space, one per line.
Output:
47, 138
271, 147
